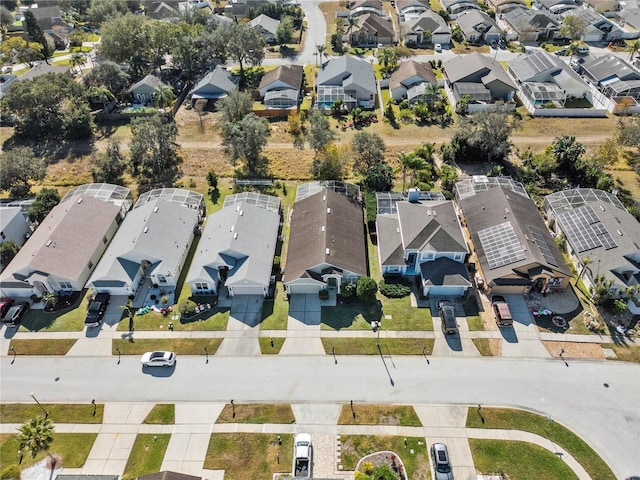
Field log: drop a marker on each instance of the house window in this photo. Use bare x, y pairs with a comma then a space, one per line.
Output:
429, 256
458, 257
202, 286
90, 265
162, 279
65, 285
2, 235
555, 282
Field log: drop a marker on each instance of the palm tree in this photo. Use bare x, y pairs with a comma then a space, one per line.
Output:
633, 48
571, 50
352, 21
388, 59
320, 49
163, 96
416, 164
77, 60
35, 436
404, 159
102, 94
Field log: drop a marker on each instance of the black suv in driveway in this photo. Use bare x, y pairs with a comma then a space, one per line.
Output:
96, 309
447, 313
15, 314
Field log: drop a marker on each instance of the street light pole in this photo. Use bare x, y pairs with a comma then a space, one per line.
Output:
46, 414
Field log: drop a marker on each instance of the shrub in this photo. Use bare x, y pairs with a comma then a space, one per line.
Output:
394, 290
347, 290
366, 289
323, 294
10, 472
212, 179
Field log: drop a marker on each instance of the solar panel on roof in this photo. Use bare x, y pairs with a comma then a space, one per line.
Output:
542, 244
501, 246
584, 229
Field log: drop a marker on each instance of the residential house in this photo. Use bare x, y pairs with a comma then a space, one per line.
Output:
598, 28
267, 26
47, 13
479, 78
543, 78
237, 9
327, 245
372, 30
603, 6
14, 226
602, 238
613, 76
43, 68
281, 87
629, 21
504, 6
426, 28
237, 247
478, 27
457, 7
214, 85
361, 7
410, 80
349, 79
514, 250
531, 25
144, 91
147, 254
63, 251
556, 7
162, 10
422, 237
410, 9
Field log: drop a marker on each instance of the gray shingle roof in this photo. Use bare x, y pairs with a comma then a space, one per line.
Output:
347, 70
430, 226
214, 84
409, 69
463, 66
609, 66
150, 82
290, 74
445, 272
428, 21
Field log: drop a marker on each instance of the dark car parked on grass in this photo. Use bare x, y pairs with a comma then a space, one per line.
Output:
96, 309
14, 314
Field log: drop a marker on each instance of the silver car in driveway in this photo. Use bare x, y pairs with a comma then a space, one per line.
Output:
158, 359
441, 463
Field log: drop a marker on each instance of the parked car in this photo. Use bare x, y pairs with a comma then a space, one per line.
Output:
582, 50
447, 314
562, 51
96, 309
14, 314
437, 47
501, 311
441, 463
5, 304
158, 359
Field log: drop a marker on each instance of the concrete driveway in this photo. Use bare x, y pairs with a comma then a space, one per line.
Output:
458, 344
243, 326
303, 327
521, 340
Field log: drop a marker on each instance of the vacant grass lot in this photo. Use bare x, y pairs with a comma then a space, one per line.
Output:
72, 448
57, 346
181, 346
147, 454
354, 447
58, 412
505, 418
369, 346
162, 414
403, 415
518, 460
255, 456
257, 413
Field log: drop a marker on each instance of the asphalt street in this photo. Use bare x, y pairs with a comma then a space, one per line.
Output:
598, 400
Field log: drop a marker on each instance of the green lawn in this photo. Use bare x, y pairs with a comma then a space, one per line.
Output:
257, 413
58, 412
482, 344
40, 346
70, 319
369, 346
255, 456
404, 316
413, 454
147, 454
162, 414
72, 448
211, 320
181, 346
358, 315
267, 349
627, 353
275, 313
505, 418
518, 460
403, 415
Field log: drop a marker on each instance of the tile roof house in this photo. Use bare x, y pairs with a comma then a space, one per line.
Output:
543, 78
478, 27
13, 225
514, 249
424, 238
237, 246
531, 25
410, 80
267, 26
149, 250
144, 90
602, 238
612, 75
281, 87
410, 9
598, 28
457, 7
479, 76
372, 30
327, 246
348, 78
63, 251
215, 84
428, 27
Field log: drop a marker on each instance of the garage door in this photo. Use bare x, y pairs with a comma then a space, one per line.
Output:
248, 290
313, 288
446, 291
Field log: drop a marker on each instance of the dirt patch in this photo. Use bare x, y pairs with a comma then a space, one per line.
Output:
574, 349
495, 345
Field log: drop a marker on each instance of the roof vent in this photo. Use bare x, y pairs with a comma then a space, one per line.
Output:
79, 200
619, 232
241, 213
155, 210
324, 197
323, 228
506, 210
232, 227
327, 251
48, 244
328, 210
146, 229
602, 208
237, 208
235, 235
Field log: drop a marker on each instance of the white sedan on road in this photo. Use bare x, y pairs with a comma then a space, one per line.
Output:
158, 359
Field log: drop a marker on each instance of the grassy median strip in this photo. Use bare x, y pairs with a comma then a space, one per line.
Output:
58, 412
510, 419
162, 414
249, 455
211, 320
413, 453
369, 346
257, 413
482, 344
275, 313
626, 353
43, 347
267, 349
181, 346
518, 460
72, 449
403, 415
147, 454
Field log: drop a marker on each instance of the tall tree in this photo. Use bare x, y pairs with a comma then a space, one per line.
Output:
6, 18
245, 140
235, 106
77, 60
573, 27
19, 168
8, 250
319, 135
404, 159
110, 75
35, 436
244, 44
320, 49
163, 96
101, 11
110, 165
127, 39
567, 152
18, 49
633, 48
331, 163
45, 200
416, 165
153, 151
491, 133
102, 94
36, 34
388, 59
284, 33
379, 178
368, 151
